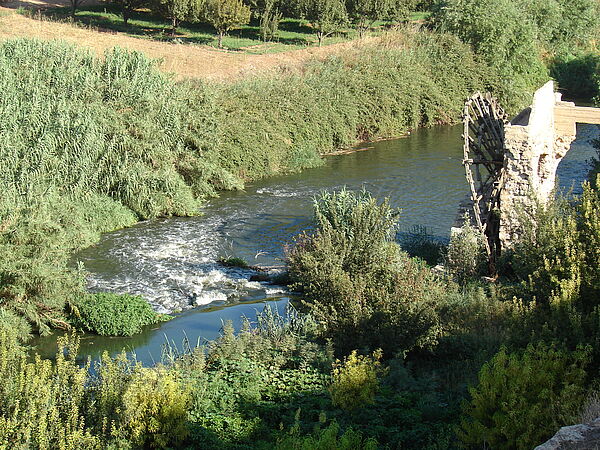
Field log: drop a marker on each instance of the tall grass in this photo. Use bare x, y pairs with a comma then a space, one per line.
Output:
93, 144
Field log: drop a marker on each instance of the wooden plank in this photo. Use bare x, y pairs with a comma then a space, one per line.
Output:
565, 118
581, 114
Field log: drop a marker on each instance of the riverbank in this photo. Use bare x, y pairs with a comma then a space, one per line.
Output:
93, 145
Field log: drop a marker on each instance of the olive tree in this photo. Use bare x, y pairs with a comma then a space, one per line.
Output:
226, 15
269, 14
326, 16
74, 5
178, 10
128, 6
363, 13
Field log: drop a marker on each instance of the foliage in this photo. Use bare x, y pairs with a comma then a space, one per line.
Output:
357, 282
129, 6
155, 406
226, 15
523, 398
269, 14
177, 11
14, 326
578, 75
465, 258
547, 258
110, 314
125, 142
418, 242
243, 376
355, 381
506, 41
41, 403
325, 16
588, 217
327, 438
363, 13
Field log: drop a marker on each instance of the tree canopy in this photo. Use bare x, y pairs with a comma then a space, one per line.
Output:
226, 15
325, 16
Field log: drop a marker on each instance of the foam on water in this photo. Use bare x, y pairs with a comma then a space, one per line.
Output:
173, 262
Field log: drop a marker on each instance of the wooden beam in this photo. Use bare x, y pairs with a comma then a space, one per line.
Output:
565, 118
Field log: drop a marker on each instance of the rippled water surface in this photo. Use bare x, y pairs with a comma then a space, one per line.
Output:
172, 262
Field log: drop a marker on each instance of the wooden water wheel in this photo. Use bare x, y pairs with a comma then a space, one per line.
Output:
483, 135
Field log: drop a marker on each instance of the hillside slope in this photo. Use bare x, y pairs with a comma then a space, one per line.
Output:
186, 61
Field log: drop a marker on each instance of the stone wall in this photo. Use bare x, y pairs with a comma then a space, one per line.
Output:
533, 151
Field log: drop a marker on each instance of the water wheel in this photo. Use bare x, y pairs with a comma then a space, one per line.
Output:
483, 135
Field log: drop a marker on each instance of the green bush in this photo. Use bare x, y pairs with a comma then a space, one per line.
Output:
155, 406
418, 242
243, 378
354, 382
109, 314
326, 439
523, 398
14, 326
465, 257
358, 283
548, 256
507, 42
93, 144
42, 403
578, 75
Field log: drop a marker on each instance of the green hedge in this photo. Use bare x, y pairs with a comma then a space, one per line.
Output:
115, 315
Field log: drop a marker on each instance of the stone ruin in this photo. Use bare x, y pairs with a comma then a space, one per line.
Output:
535, 142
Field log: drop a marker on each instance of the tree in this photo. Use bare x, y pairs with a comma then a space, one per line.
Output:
128, 6
363, 13
269, 14
226, 15
326, 16
507, 41
74, 5
177, 10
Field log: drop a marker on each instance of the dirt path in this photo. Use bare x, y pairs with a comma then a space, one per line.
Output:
186, 61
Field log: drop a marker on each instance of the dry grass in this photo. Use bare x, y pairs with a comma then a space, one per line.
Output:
591, 408
186, 61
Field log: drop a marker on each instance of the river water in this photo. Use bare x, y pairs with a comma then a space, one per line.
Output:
172, 262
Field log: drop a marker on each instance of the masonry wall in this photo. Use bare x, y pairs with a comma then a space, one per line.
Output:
532, 154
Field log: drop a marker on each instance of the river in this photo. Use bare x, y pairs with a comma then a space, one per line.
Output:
173, 262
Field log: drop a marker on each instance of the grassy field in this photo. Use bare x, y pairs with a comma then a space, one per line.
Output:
293, 33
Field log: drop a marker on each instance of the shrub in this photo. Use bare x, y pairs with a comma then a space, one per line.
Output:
588, 218
523, 398
466, 258
248, 379
121, 141
547, 257
14, 326
41, 403
110, 314
155, 408
578, 75
325, 439
507, 41
357, 282
354, 382
419, 243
